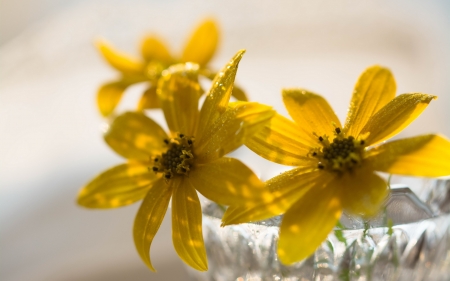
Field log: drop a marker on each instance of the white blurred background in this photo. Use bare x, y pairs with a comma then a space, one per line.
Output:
50, 142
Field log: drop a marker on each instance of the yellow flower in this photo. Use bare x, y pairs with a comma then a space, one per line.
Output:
337, 164
162, 166
199, 49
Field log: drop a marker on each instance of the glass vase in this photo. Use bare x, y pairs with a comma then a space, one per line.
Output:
408, 240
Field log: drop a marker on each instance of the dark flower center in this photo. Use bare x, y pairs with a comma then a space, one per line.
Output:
341, 154
177, 160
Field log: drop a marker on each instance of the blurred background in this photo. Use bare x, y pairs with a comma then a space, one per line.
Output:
51, 143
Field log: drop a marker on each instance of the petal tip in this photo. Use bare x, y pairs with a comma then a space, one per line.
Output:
211, 22
100, 42
238, 56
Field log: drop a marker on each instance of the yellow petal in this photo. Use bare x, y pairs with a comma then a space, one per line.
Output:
123, 63
178, 92
239, 94
395, 116
307, 224
216, 102
202, 44
227, 181
149, 218
362, 192
281, 141
423, 156
109, 95
374, 89
149, 99
119, 186
311, 112
187, 226
231, 129
153, 49
286, 189
135, 136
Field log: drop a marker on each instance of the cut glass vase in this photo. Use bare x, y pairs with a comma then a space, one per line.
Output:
408, 240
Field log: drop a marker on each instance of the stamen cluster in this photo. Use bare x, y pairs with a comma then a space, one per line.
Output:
177, 159
340, 155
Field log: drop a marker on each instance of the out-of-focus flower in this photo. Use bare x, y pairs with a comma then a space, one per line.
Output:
156, 57
190, 158
337, 164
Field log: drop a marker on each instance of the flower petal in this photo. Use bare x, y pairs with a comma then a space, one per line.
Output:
227, 181
239, 94
202, 44
395, 116
153, 49
281, 141
231, 129
362, 192
109, 95
216, 102
149, 99
286, 189
123, 63
187, 226
423, 156
374, 89
135, 136
307, 223
149, 218
178, 92
119, 186
311, 112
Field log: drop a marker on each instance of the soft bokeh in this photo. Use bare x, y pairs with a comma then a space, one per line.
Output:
51, 131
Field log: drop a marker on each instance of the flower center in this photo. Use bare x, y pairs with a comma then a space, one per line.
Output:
341, 154
154, 69
177, 160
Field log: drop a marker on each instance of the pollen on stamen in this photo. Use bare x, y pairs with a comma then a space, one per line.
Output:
340, 155
177, 159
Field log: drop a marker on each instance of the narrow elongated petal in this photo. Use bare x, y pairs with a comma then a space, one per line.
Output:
149, 218
187, 226
202, 44
228, 181
216, 102
286, 189
109, 96
153, 49
124, 63
362, 192
149, 99
374, 89
395, 116
119, 186
307, 224
231, 129
178, 92
239, 94
423, 156
281, 141
135, 136
311, 112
